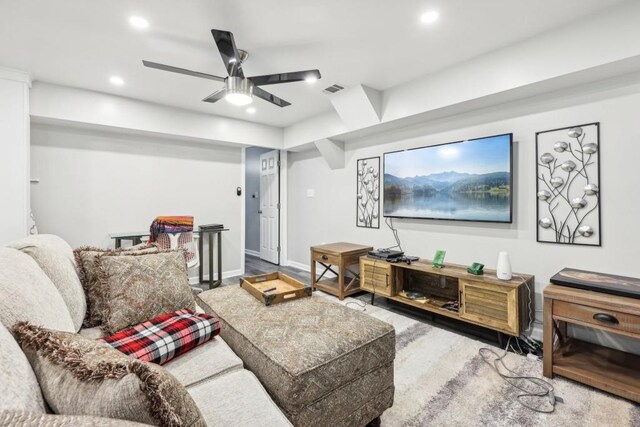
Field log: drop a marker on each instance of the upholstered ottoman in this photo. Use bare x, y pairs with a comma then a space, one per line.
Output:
322, 363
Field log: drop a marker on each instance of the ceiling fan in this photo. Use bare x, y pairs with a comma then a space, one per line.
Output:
240, 90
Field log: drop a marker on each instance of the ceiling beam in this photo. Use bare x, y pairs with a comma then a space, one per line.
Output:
53, 103
332, 152
358, 106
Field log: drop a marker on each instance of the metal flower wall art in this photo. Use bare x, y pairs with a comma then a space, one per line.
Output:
568, 185
368, 196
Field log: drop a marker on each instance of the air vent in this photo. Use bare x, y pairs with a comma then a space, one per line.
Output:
336, 87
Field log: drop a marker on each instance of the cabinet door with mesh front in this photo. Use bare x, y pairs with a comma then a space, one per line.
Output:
491, 305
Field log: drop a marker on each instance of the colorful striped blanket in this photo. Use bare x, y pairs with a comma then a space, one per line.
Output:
170, 224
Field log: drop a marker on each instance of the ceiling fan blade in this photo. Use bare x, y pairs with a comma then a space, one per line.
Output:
229, 52
216, 96
269, 97
296, 76
182, 71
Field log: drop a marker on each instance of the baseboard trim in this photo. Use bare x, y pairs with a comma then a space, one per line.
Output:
252, 252
298, 265
225, 275
307, 268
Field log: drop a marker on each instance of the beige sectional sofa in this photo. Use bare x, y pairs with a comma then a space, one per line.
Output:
226, 394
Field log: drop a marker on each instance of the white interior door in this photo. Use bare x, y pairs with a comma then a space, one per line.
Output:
270, 207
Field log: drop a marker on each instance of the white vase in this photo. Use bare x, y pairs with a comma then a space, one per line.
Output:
503, 272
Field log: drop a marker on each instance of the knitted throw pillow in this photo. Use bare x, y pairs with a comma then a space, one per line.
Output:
138, 287
79, 376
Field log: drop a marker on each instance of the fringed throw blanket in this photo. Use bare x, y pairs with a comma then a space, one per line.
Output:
170, 224
175, 232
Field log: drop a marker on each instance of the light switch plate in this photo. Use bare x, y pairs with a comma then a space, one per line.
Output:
311, 192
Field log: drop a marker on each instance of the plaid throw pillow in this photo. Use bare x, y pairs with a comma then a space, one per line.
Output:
165, 337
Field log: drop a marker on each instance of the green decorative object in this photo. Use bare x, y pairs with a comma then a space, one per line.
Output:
476, 269
438, 260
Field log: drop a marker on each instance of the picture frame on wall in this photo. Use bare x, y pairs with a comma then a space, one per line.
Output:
568, 185
368, 192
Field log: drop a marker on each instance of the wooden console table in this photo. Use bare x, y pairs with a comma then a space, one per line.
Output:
611, 370
485, 300
344, 256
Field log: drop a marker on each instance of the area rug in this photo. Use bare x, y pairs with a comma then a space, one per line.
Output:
441, 380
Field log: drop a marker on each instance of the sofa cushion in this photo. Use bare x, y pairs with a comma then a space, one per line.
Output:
85, 377
32, 419
62, 272
203, 363
26, 293
94, 333
237, 399
189, 368
50, 241
137, 287
85, 258
165, 337
19, 389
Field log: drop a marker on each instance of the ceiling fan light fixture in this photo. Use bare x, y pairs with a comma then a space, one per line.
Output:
239, 91
237, 98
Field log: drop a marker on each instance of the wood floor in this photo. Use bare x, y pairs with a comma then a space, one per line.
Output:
254, 266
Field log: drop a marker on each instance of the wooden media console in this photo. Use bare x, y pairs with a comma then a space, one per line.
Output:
505, 306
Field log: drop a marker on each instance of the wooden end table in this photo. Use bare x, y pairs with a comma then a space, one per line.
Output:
343, 255
605, 368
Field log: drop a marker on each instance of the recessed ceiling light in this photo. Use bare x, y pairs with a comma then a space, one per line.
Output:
138, 22
116, 80
251, 110
429, 17
311, 80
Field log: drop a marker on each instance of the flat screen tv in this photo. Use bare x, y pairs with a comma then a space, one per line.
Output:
464, 181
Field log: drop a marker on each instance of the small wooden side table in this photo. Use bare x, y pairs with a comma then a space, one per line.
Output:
608, 369
345, 256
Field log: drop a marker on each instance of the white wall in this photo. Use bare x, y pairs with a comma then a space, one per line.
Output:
94, 183
14, 154
330, 215
252, 187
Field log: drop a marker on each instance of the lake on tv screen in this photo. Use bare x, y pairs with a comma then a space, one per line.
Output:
470, 181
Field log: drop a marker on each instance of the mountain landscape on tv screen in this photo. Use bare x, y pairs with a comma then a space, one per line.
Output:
447, 182
449, 195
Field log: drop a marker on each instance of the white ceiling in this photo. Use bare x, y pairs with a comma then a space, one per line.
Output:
378, 43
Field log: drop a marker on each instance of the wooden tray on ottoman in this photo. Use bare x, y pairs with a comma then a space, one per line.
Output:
286, 288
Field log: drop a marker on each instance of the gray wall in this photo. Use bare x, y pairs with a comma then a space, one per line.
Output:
252, 184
